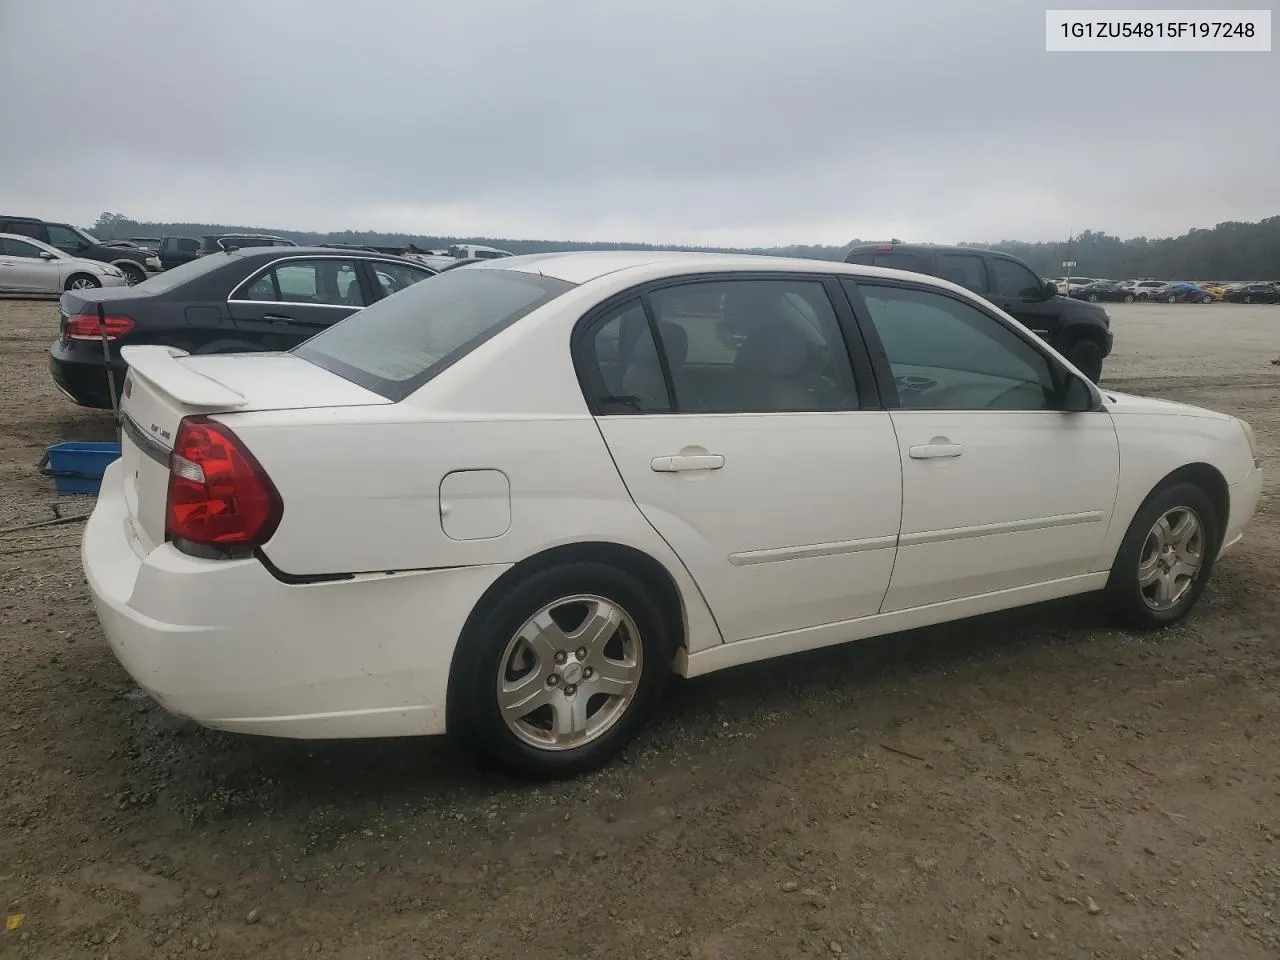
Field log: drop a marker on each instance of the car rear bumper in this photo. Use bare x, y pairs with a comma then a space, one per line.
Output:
79, 373
226, 644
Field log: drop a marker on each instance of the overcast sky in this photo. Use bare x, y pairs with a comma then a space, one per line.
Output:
683, 121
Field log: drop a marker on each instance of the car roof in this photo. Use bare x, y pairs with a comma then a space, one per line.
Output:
277, 253
583, 266
920, 248
19, 236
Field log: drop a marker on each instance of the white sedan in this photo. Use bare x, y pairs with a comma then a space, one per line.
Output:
508, 502
31, 267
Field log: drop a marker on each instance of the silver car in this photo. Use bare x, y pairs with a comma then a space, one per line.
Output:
28, 266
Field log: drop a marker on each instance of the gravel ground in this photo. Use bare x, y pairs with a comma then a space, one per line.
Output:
1029, 784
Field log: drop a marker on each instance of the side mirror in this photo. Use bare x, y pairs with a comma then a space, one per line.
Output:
1078, 395
48, 255
1050, 290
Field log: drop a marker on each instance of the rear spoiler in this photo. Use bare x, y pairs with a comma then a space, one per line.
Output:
162, 369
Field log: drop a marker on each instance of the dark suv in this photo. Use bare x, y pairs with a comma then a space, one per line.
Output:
175, 251
132, 262
1079, 331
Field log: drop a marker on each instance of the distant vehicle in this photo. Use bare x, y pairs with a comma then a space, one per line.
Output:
1184, 291
1101, 290
175, 251
134, 264
226, 242
1078, 330
30, 267
454, 264
1065, 286
1254, 293
249, 299
475, 251
1145, 290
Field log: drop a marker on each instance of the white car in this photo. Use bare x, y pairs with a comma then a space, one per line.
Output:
30, 267
507, 502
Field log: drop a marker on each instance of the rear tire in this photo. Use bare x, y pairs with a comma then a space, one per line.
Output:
82, 281
1128, 298
1172, 298
1086, 356
533, 650
1162, 566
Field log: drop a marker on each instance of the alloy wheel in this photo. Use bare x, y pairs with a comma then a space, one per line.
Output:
1171, 558
82, 283
569, 673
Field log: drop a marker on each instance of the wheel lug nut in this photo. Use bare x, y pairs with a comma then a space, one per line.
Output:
569, 690
582, 653
587, 673
553, 680
561, 656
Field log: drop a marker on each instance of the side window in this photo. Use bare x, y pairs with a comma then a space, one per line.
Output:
65, 238
331, 282
898, 261
23, 229
1012, 279
753, 346
622, 370
394, 277
262, 289
963, 269
16, 248
949, 355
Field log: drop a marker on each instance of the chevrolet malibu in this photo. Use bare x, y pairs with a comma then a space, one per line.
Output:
508, 502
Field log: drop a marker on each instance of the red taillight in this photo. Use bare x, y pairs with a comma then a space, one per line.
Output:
84, 326
219, 495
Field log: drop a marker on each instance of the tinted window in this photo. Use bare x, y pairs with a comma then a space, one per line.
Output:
16, 248
767, 346
1010, 279
898, 261
623, 372
964, 269
329, 282
185, 273
23, 228
400, 343
949, 355
394, 277
64, 238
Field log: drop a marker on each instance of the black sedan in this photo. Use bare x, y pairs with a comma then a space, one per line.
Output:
251, 299
1254, 293
1102, 290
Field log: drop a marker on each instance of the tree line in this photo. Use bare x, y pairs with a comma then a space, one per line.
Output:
1232, 250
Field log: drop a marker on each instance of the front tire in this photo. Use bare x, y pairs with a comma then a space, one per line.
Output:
1128, 298
1166, 557
1086, 356
133, 274
81, 281
561, 673
1172, 298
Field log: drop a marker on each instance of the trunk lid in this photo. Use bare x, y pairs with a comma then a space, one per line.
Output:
165, 384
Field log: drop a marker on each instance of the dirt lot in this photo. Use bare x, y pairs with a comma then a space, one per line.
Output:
1028, 785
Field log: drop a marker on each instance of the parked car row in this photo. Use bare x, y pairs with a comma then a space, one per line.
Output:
1167, 291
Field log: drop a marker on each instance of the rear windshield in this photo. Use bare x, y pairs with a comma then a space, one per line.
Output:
175, 277
398, 344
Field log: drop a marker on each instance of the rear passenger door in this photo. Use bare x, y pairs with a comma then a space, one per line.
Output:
291, 300
749, 436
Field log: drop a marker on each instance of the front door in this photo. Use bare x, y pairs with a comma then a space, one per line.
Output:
1000, 489
743, 437
296, 299
1020, 293
23, 270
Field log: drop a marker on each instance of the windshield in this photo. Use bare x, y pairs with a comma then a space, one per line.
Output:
88, 236
176, 276
398, 344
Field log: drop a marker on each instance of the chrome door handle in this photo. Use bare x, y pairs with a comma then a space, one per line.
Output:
677, 464
936, 449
